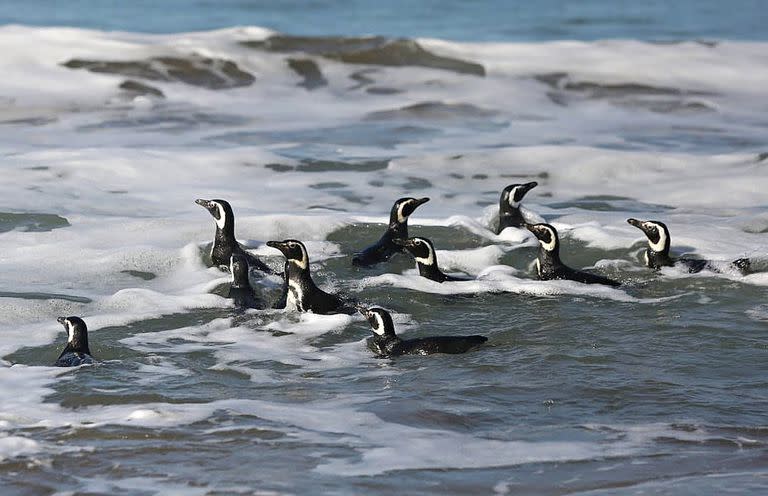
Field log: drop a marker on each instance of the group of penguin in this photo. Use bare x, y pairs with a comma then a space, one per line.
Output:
299, 291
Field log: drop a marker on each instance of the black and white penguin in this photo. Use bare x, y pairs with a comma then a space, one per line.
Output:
426, 259
385, 342
384, 248
509, 205
657, 254
224, 242
548, 263
76, 352
240, 290
303, 294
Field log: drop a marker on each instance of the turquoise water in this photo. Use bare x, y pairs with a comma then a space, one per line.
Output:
484, 20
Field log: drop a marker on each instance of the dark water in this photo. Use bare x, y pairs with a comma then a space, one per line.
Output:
658, 388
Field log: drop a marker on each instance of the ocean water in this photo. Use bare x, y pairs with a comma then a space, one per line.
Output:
115, 118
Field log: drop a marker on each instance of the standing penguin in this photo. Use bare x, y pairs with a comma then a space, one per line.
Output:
224, 242
302, 293
548, 263
77, 351
657, 253
509, 205
386, 344
384, 248
426, 259
240, 290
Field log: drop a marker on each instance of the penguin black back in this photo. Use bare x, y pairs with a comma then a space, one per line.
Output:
423, 252
509, 205
659, 242
303, 293
240, 290
548, 263
77, 351
224, 242
384, 248
385, 342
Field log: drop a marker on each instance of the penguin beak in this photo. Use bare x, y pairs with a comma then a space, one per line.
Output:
534, 228
206, 204
362, 310
529, 186
421, 201
638, 224
61, 320
278, 245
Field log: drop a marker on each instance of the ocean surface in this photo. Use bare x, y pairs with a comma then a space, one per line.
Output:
114, 118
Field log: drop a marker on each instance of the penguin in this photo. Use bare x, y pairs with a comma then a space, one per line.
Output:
384, 248
240, 290
548, 263
224, 242
509, 205
426, 259
657, 254
386, 344
303, 294
76, 352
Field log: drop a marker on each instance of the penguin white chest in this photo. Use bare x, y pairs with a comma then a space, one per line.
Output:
295, 296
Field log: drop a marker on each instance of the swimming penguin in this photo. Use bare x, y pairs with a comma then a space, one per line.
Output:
384, 248
548, 263
386, 344
509, 205
426, 259
76, 352
302, 291
240, 290
657, 253
224, 243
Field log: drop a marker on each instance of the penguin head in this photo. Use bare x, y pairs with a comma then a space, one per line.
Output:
656, 232
238, 266
294, 251
77, 333
221, 212
547, 236
421, 248
512, 195
380, 320
403, 208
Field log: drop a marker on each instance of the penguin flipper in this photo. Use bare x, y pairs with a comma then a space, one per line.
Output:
255, 262
381, 251
73, 359
693, 265
589, 278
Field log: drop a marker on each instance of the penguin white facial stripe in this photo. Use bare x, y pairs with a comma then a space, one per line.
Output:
552, 240
400, 217
222, 220
379, 327
304, 262
70, 331
430, 259
512, 195
658, 245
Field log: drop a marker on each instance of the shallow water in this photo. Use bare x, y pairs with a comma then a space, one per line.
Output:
657, 387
